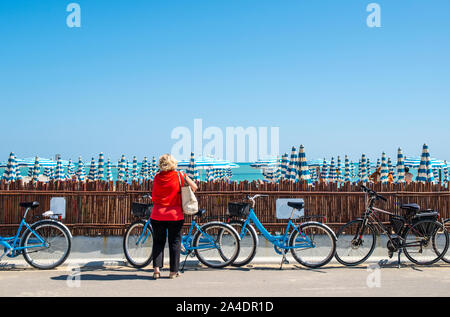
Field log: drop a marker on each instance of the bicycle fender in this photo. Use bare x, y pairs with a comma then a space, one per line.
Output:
223, 223
322, 224
54, 221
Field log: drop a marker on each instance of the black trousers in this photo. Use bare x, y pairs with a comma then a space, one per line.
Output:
172, 230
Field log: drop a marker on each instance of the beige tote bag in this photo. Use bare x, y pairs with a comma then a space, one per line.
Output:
189, 202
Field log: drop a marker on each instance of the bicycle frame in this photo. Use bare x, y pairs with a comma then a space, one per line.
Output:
280, 241
11, 243
186, 240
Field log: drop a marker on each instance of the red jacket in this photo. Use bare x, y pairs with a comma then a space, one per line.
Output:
166, 196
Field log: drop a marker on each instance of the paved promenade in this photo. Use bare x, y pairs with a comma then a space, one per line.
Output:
96, 279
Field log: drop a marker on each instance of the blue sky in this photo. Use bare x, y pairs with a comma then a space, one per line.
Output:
135, 70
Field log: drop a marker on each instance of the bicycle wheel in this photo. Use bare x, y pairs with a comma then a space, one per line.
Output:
446, 256
313, 246
248, 243
426, 242
137, 244
56, 249
216, 244
353, 247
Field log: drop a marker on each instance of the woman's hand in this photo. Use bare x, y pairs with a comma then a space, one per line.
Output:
191, 183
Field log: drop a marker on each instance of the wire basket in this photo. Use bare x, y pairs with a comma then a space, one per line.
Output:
141, 210
238, 209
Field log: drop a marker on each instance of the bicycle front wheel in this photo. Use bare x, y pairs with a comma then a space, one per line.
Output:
313, 246
446, 257
47, 245
138, 244
354, 245
248, 242
426, 242
216, 244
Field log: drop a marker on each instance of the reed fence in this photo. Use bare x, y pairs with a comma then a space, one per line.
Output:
103, 208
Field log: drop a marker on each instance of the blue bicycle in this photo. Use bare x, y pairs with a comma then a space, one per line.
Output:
44, 244
215, 244
312, 243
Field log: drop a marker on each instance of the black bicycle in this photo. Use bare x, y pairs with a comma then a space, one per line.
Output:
419, 234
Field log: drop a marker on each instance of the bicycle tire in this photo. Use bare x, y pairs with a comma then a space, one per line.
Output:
221, 228
422, 230
342, 244
27, 252
446, 256
126, 237
253, 241
301, 260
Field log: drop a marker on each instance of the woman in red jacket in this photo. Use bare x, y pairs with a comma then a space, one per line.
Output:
167, 215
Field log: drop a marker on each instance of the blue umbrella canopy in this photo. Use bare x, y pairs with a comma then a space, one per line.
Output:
10, 171
284, 165
400, 166
59, 173
80, 171
347, 176
332, 177
36, 169
92, 176
48, 172
134, 172
445, 172
109, 176
293, 165
101, 168
144, 169
304, 170
324, 171
384, 169
121, 168
70, 172
154, 168
340, 174
364, 176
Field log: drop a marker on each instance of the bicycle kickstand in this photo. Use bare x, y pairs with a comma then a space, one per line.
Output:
398, 263
283, 260
184, 263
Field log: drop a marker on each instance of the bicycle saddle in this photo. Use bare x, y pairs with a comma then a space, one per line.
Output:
410, 207
31, 204
295, 205
200, 212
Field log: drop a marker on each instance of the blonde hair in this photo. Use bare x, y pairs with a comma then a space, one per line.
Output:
167, 163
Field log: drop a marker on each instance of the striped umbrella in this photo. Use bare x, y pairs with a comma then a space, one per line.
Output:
284, 166
18, 174
30, 171
10, 171
369, 171
445, 172
59, 173
390, 168
363, 165
70, 172
292, 165
80, 171
378, 163
347, 169
134, 173
109, 176
304, 170
127, 170
340, 174
101, 168
36, 170
422, 172
92, 176
144, 169
430, 175
436, 175
384, 169
48, 172
324, 171
154, 168
400, 166
332, 176
121, 169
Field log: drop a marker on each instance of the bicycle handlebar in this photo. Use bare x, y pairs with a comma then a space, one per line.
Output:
252, 199
373, 193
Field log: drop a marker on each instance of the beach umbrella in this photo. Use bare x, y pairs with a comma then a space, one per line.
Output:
36, 170
92, 176
154, 168
80, 171
59, 173
384, 168
332, 174
400, 166
347, 177
363, 165
304, 170
30, 171
369, 172
284, 165
18, 174
445, 172
134, 172
436, 175
144, 169
109, 176
127, 170
10, 171
48, 172
378, 163
292, 165
101, 168
390, 168
121, 169
412, 162
324, 171
193, 172
70, 172
340, 174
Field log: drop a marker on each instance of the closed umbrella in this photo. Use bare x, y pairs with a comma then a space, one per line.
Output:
10, 171
347, 177
144, 169
284, 166
101, 168
154, 168
109, 176
324, 171
384, 169
70, 172
422, 174
36, 170
134, 172
340, 174
332, 175
292, 165
80, 171
92, 176
445, 172
400, 166
59, 173
304, 170
121, 169
363, 165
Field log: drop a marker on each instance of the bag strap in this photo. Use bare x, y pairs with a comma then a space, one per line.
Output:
179, 179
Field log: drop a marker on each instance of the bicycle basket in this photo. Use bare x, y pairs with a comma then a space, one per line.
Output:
141, 210
238, 209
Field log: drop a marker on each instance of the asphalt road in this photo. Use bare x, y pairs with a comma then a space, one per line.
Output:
254, 281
